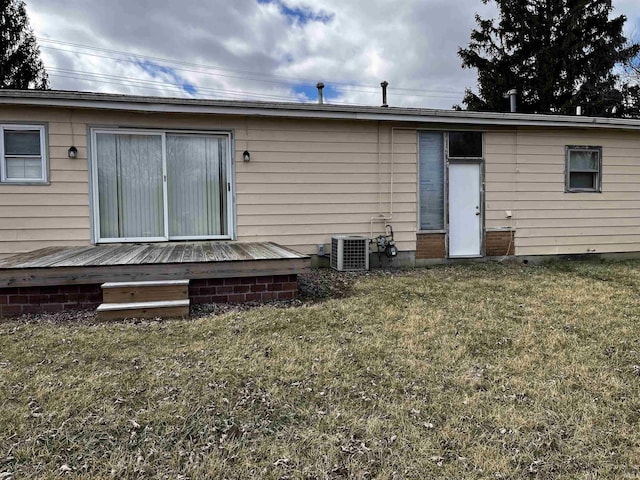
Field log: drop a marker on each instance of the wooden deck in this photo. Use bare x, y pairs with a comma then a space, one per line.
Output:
148, 262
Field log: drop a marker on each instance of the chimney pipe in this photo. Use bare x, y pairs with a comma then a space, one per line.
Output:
320, 86
513, 93
384, 86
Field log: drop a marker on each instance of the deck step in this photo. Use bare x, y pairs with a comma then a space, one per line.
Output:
162, 309
155, 291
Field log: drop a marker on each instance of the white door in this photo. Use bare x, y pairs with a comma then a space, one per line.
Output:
465, 228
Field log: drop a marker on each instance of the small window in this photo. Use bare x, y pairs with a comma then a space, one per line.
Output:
431, 146
22, 149
584, 169
465, 144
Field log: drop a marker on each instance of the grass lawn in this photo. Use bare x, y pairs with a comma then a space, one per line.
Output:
470, 371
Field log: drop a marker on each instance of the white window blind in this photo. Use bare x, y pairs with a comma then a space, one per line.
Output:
130, 185
196, 176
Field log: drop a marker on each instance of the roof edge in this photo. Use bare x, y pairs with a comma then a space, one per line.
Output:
135, 103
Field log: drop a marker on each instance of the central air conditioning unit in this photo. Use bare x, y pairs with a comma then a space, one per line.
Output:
349, 253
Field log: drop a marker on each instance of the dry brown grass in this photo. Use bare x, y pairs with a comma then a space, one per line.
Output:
479, 371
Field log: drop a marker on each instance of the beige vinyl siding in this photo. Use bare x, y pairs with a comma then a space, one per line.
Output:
307, 179
526, 174
500, 178
36, 216
310, 180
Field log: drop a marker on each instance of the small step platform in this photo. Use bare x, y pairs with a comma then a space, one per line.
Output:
163, 299
166, 309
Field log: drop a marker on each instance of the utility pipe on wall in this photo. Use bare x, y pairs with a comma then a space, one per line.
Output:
382, 216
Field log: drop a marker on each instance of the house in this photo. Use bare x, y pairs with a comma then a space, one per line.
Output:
81, 169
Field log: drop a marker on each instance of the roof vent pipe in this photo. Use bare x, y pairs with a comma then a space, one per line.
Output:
579, 110
513, 95
320, 86
384, 86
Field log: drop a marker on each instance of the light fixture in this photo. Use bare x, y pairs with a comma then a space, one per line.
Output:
73, 152
246, 156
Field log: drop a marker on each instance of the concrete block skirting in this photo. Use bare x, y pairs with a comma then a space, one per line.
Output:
58, 298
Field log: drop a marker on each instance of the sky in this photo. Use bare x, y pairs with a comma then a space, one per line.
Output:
269, 50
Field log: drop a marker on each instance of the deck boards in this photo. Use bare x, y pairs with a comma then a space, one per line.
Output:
46, 260
142, 254
139, 262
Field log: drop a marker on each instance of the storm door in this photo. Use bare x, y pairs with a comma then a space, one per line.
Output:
465, 226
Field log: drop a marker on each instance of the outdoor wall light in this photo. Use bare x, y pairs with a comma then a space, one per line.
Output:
73, 152
246, 156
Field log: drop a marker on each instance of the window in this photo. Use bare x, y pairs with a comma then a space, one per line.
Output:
465, 144
583, 169
22, 149
431, 181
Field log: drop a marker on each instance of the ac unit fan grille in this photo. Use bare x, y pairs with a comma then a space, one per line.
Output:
354, 252
350, 253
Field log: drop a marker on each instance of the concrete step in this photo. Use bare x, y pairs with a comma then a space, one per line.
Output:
161, 309
156, 291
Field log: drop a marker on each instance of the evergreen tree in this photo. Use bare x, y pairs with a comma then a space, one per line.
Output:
558, 54
632, 76
20, 64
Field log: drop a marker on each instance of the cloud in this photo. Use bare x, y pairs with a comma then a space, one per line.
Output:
167, 74
302, 14
265, 49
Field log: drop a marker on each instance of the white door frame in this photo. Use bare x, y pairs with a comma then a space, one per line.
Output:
95, 199
481, 201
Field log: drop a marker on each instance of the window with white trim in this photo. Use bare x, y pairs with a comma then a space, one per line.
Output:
583, 169
23, 154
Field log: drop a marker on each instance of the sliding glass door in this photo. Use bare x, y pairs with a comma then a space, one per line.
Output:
130, 187
159, 186
197, 186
